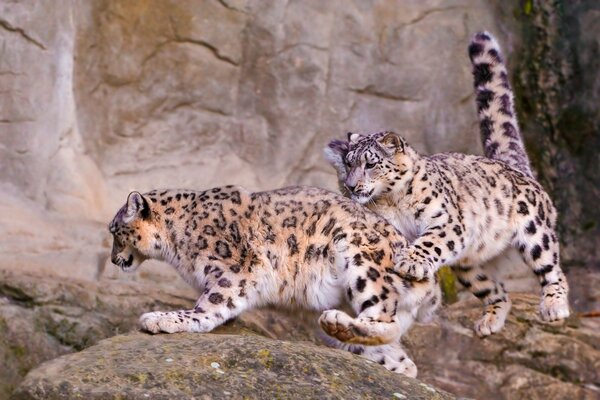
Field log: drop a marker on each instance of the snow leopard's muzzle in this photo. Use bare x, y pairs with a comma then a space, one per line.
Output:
123, 257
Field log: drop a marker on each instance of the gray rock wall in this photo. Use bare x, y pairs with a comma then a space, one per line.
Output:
100, 98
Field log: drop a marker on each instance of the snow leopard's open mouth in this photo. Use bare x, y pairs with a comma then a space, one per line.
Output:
125, 264
362, 197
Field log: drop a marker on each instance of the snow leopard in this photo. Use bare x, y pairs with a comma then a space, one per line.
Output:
292, 247
463, 210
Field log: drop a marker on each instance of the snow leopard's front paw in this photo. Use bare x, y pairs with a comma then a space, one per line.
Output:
412, 266
156, 322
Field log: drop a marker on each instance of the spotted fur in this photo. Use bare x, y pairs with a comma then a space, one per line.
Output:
303, 247
498, 124
460, 210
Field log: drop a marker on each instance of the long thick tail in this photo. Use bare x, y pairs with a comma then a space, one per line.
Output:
495, 104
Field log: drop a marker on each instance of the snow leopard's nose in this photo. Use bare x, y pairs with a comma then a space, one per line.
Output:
350, 186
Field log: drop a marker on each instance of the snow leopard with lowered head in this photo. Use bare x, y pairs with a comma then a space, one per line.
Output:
297, 246
463, 210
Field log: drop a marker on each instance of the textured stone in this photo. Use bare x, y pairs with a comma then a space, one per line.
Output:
558, 90
42, 317
100, 98
180, 366
527, 359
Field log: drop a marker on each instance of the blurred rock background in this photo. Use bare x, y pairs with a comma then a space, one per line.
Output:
98, 98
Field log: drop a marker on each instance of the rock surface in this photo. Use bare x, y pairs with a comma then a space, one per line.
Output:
183, 366
528, 359
42, 317
558, 90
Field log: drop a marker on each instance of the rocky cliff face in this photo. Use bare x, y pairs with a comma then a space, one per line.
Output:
100, 98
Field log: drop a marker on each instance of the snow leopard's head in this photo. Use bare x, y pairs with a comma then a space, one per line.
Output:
134, 234
369, 166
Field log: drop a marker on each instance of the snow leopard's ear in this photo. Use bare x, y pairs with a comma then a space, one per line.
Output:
335, 153
392, 142
137, 206
353, 137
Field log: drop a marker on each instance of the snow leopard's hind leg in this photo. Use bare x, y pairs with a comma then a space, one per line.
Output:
538, 244
492, 293
371, 294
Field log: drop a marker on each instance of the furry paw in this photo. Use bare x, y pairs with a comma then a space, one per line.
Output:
554, 308
393, 357
156, 322
404, 366
337, 324
488, 324
413, 267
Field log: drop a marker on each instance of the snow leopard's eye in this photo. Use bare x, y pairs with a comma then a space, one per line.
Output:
369, 165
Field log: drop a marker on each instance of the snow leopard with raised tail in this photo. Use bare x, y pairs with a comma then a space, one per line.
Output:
463, 210
498, 124
298, 246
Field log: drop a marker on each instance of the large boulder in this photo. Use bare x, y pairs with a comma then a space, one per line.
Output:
205, 366
42, 317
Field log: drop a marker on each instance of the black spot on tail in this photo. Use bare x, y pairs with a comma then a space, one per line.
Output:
531, 229
504, 80
369, 303
492, 149
544, 270
482, 36
485, 127
495, 55
484, 97
506, 105
361, 283
480, 294
482, 74
536, 252
475, 50
509, 130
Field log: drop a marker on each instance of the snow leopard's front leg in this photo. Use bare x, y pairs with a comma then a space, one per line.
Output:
225, 300
437, 246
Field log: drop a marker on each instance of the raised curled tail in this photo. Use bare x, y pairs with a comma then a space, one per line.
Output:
499, 128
